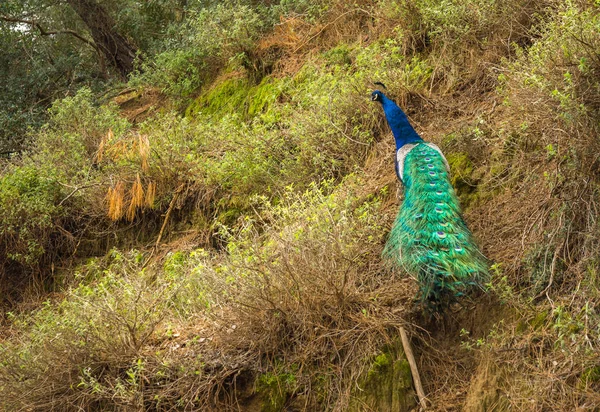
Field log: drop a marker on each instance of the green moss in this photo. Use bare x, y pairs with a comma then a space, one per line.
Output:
238, 96
461, 167
521, 327
535, 323
226, 97
380, 365
539, 320
404, 374
387, 385
461, 176
262, 96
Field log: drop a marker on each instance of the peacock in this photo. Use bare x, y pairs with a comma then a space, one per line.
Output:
429, 238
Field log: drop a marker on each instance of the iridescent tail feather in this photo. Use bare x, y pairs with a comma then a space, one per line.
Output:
429, 238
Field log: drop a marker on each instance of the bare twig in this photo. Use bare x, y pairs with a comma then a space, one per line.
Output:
75, 190
324, 27
169, 211
336, 126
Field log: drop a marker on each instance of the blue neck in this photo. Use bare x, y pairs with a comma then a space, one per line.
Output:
402, 130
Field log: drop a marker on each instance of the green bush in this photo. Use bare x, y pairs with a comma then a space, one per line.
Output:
116, 340
39, 193
238, 140
70, 140
175, 72
97, 341
560, 66
551, 95
29, 199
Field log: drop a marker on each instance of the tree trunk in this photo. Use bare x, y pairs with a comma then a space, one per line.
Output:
119, 52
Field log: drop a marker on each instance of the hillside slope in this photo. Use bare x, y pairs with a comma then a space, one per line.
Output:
209, 237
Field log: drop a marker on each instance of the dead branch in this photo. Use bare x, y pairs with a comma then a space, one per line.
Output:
413, 368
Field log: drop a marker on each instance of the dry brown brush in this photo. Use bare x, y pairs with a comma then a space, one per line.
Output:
298, 300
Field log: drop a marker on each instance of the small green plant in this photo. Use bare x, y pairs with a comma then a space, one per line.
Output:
275, 388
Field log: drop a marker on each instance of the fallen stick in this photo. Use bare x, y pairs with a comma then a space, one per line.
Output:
413, 368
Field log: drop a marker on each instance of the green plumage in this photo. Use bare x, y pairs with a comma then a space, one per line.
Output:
429, 238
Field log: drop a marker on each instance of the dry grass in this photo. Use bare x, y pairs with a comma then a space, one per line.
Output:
295, 39
317, 311
301, 299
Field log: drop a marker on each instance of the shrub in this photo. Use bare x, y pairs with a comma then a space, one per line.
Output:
273, 305
551, 96
71, 138
311, 272
41, 193
98, 340
29, 199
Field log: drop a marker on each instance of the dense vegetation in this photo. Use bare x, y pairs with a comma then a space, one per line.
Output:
204, 230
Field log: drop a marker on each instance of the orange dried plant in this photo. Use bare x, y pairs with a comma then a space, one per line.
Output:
150, 194
116, 198
137, 197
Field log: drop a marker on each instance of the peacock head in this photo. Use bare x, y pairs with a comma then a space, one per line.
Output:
401, 129
377, 96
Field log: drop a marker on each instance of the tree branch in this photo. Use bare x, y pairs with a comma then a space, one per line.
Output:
44, 32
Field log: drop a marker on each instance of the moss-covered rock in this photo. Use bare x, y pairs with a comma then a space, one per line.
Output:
387, 384
461, 176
